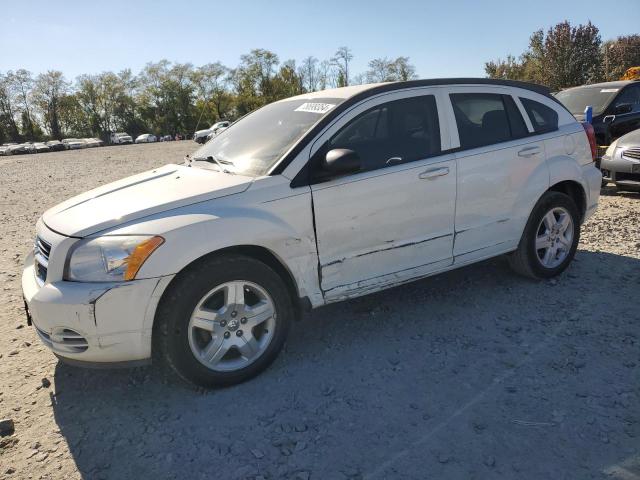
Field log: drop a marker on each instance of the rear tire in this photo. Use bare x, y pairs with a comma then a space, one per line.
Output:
223, 321
550, 238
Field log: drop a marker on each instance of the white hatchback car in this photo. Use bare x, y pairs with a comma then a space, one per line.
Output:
307, 201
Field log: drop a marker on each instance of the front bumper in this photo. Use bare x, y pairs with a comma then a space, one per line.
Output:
623, 171
102, 323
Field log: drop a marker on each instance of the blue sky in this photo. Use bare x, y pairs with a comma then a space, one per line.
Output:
444, 38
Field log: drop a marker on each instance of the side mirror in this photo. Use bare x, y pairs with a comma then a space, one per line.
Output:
622, 108
340, 161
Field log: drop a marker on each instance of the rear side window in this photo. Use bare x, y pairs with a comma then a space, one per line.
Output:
486, 119
543, 118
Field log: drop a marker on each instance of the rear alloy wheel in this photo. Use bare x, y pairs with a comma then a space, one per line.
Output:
554, 237
550, 238
223, 320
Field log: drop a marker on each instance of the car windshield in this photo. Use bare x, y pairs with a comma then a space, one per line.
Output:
577, 99
254, 144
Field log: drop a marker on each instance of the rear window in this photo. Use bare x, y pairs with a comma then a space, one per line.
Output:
486, 119
543, 118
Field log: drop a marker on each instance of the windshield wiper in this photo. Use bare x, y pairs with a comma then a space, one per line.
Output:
219, 162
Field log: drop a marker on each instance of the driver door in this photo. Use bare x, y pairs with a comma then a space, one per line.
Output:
393, 220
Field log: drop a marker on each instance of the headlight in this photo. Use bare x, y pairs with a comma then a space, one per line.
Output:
611, 149
110, 259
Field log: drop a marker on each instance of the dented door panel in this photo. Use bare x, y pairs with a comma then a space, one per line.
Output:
378, 228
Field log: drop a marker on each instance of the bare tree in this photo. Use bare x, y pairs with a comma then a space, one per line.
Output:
341, 60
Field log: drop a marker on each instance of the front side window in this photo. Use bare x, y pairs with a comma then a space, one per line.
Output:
483, 119
543, 118
396, 132
255, 143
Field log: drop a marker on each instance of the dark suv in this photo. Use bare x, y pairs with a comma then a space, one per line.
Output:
616, 107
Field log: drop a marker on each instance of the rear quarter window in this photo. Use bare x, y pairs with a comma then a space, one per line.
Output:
543, 119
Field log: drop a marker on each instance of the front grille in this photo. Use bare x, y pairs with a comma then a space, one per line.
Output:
42, 250
632, 153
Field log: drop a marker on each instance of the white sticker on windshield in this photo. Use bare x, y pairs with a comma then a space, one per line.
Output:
609, 90
315, 107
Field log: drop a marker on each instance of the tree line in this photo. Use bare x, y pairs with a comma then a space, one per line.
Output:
566, 56
169, 98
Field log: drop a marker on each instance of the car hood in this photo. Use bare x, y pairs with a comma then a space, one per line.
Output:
203, 132
138, 196
631, 139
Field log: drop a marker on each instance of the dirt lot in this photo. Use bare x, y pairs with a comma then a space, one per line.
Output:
476, 373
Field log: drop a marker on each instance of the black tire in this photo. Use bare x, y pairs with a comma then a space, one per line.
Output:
171, 344
525, 259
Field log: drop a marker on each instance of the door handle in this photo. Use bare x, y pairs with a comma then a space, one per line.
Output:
529, 152
433, 173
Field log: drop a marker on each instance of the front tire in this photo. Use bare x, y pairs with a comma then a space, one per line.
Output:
550, 238
223, 321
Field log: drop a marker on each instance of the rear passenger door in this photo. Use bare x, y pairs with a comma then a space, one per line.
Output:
501, 171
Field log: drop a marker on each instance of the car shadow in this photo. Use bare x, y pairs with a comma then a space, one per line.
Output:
610, 190
427, 379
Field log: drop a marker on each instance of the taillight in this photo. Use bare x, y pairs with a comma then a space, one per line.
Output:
591, 135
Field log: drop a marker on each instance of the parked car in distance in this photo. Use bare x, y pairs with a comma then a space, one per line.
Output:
616, 107
120, 138
4, 150
621, 162
307, 201
73, 143
146, 138
93, 142
18, 149
39, 147
55, 145
217, 131
201, 135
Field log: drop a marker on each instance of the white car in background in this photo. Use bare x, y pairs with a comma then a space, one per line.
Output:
120, 138
201, 135
146, 138
308, 201
93, 142
73, 143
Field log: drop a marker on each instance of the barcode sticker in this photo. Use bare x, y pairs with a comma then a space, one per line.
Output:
320, 108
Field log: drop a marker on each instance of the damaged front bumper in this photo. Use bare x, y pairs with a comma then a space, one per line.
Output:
94, 323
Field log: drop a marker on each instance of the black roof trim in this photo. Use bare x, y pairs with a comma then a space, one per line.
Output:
390, 87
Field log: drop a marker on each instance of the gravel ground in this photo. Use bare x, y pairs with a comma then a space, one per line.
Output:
475, 373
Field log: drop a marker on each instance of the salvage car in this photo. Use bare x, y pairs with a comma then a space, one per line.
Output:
146, 138
201, 135
121, 138
616, 107
55, 145
621, 162
73, 143
307, 201
38, 147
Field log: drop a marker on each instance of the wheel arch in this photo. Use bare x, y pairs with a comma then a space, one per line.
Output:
260, 253
575, 191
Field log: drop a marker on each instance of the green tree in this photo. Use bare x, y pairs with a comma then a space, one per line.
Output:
619, 55
341, 60
48, 89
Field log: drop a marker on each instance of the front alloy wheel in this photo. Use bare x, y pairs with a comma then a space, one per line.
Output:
232, 325
223, 320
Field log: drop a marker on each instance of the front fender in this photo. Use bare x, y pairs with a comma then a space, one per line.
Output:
283, 227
